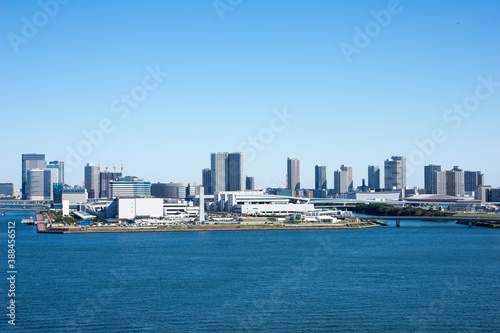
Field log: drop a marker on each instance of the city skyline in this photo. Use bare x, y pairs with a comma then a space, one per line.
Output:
91, 172
270, 91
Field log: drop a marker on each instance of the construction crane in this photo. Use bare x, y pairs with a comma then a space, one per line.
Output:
99, 165
121, 162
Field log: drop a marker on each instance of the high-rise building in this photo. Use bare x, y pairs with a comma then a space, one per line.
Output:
226, 172
218, 176
320, 177
293, 173
39, 184
451, 182
350, 180
235, 174
105, 179
50, 177
207, 181
6, 189
92, 180
430, 178
59, 165
395, 173
131, 187
473, 179
34, 189
373, 177
30, 162
250, 184
342, 181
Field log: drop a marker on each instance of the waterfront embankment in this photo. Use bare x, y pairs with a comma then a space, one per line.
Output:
42, 228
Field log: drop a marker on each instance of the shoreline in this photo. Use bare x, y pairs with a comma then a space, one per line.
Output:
75, 230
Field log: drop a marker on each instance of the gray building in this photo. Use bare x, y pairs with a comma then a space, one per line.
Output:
105, 179
250, 184
175, 190
59, 165
50, 177
206, 176
451, 182
129, 187
342, 181
34, 188
30, 162
226, 172
92, 180
40, 182
373, 177
218, 176
235, 173
472, 179
395, 173
430, 178
7, 189
293, 174
493, 195
320, 177
350, 179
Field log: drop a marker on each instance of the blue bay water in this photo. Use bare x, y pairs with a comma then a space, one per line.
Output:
424, 276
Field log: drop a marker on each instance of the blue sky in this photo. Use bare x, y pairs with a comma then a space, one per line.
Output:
228, 77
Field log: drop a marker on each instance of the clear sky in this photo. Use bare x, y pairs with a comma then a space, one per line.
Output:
353, 82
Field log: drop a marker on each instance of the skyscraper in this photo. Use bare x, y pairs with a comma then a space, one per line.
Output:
373, 177
320, 177
235, 174
250, 185
206, 176
59, 165
218, 171
473, 179
40, 182
451, 182
227, 172
105, 179
30, 162
430, 178
92, 180
342, 180
293, 174
350, 181
395, 173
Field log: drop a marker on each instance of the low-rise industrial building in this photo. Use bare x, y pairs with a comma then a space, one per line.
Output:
258, 203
